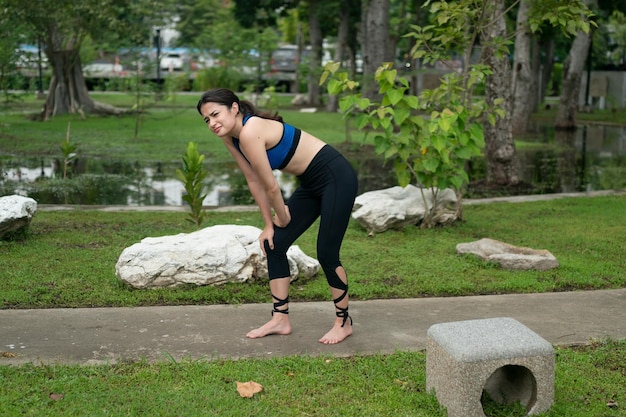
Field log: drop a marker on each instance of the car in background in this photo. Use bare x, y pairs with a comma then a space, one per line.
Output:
172, 61
283, 66
286, 59
102, 67
203, 61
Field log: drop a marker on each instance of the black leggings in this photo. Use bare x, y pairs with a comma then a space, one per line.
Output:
327, 190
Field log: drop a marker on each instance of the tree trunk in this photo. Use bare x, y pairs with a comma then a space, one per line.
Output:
546, 45
376, 50
572, 74
535, 70
524, 84
315, 35
68, 91
342, 40
500, 152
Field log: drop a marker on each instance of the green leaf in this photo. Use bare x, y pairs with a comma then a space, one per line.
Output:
402, 173
380, 145
390, 76
334, 87
332, 66
391, 151
385, 122
430, 164
418, 121
457, 182
323, 78
411, 101
464, 153
395, 95
362, 120
401, 116
464, 138
444, 124
439, 142
364, 103
476, 132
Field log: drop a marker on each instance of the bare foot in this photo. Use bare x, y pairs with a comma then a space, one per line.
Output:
279, 324
337, 334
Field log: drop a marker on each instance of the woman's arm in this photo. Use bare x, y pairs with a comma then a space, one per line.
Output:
252, 143
252, 179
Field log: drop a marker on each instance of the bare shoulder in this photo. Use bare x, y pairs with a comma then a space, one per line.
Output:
268, 131
258, 126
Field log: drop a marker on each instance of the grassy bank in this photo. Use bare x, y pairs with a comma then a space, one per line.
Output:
163, 131
164, 128
588, 383
68, 257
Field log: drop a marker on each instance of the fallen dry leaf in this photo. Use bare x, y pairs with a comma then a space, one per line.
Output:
248, 389
55, 397
8, 355
612, 404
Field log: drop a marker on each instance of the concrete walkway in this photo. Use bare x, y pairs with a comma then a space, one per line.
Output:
110, 335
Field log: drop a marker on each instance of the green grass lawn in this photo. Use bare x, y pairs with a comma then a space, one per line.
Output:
67, 258
162, 134
589, 382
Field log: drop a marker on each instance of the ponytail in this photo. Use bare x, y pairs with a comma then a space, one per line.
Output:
227, 98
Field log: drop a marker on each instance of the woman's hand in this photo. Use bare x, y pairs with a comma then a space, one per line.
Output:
267, 235
276, 220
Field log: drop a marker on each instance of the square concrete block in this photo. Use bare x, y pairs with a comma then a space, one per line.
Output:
500, 356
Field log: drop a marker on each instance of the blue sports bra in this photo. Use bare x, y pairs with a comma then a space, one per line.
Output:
280, 154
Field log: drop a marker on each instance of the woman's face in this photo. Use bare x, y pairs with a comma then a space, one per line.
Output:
219, 118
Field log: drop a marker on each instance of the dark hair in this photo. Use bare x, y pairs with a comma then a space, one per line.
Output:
227, 98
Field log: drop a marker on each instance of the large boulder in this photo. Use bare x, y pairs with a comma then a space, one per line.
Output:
16, 212
397, 207
210, 256
508, 256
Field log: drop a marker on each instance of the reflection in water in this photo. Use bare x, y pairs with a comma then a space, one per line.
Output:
591, 158
594, 158
124, 183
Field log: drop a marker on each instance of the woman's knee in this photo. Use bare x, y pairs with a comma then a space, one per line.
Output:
335, 273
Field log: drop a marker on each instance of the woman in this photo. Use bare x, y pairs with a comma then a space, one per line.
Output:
261, 142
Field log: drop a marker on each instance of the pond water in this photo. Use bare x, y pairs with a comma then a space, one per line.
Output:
589, 159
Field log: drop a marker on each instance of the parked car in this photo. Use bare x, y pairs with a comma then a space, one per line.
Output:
203, 61
285, 58
172, 61
102, 67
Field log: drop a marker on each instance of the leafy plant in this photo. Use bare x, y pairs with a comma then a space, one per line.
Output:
192, 176
69, 153
433, 149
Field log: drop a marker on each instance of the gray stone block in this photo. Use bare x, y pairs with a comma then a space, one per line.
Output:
500, 356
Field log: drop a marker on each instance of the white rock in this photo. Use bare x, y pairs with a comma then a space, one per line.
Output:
16, 212
210, 256
397, 207
508, 256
